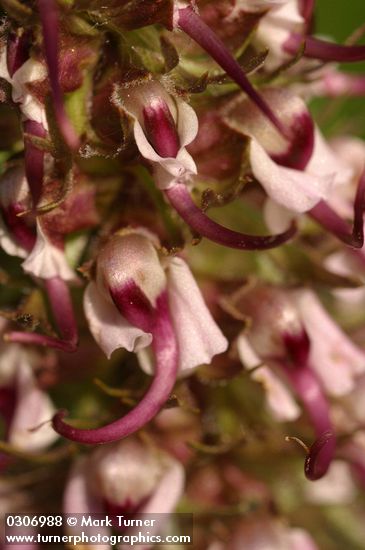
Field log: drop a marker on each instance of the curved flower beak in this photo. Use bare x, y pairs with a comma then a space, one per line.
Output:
139, 300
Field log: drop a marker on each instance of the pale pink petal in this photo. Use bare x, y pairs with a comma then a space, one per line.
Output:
33, 408
336, 487
168, 491
110, 330
30, 107
29, 72
343, 263
79, 499
252, 6
198, 336
295, 190
277, 217
298, 539
47, 261
9, 245
351, 151
246, 119
335, 358
324, 162
4, 73
187, 123
164, 499
274, 30
279, 399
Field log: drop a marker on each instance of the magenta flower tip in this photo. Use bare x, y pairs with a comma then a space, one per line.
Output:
333, 223
320, 456
166, 353
316, 48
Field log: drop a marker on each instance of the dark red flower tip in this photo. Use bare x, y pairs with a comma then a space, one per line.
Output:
300, 147
320, 456
332, 222
17, 51
161, 129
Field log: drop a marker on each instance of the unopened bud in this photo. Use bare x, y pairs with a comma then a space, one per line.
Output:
130, 274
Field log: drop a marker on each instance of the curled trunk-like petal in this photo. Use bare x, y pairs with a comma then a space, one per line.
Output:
322, 452
320, 456
332, 222
316, 48
34, 159
197, 29
62, 309
166, 357
49, 19
180, 199
308, 388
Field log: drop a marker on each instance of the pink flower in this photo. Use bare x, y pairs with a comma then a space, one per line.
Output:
139, 299
297, 175
163, 126
22, 404
43, 256
275, 29
129, 477
291, 333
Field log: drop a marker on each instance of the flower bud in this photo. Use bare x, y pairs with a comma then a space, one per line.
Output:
130, 274
275, 323
127, 477
163, 127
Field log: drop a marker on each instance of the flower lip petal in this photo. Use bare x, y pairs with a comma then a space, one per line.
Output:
109, 328
295, 190
47, 261
198, 336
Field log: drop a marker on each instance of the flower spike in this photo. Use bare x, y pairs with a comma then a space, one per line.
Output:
49, 19
316, 48
332, 222
194, 26
166, 353
180, 199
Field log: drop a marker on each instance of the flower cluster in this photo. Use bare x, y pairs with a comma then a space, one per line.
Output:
182, 278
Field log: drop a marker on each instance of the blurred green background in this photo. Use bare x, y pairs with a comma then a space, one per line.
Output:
338, 19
